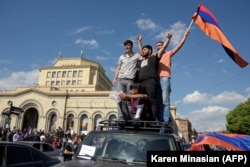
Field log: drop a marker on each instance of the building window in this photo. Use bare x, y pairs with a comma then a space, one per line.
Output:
57, 82
79, 82
59, 73
97, 119
52, 83
53, 74
68, 82
80, 73
63, 82
70, 122
74, 73
64, 74
53, 103
69, 73
84, 123
53, 120
48, 74
112, 117
74, 82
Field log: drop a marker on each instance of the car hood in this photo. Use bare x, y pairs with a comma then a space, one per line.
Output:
97, 163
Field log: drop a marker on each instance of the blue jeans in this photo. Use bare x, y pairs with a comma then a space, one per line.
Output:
124, 86
163, 99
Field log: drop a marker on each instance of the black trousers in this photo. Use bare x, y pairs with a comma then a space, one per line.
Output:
148, 87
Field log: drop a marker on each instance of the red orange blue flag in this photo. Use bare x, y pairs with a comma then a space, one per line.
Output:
208, 23
236, 142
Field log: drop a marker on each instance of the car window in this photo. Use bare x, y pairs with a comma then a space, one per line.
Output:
159, 145
46, 147
125, 146
36, 145
17, 155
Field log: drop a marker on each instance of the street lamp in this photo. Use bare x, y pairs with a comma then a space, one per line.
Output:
12, 110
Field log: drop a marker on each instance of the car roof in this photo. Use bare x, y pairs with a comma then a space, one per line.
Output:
23, 141
144, 133
131, 126
8, 143
33, 142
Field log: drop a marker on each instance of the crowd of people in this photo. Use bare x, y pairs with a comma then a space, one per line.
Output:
67, 141
143, 80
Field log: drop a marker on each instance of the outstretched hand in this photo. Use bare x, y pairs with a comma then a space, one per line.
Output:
139, 37
169, 35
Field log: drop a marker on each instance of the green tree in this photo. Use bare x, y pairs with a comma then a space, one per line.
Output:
238, 120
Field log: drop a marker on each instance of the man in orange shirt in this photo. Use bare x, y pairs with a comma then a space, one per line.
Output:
164, 73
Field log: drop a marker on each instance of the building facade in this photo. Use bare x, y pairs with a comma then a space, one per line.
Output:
72, 94
185, 130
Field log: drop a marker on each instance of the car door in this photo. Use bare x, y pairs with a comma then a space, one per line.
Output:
2, 155
49, 150
37, 146
20, 156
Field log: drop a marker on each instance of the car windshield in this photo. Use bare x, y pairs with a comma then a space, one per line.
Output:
123, 146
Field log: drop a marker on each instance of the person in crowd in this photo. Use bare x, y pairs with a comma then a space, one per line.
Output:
125, 73
164, 84
69, 148
56, 143
16, 136
137, 101
148, 74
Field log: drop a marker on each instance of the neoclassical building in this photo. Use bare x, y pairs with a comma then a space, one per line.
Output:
71, 94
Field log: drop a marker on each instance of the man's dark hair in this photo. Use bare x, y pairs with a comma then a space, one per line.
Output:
136, 86
128, 42
160, 42
148, 47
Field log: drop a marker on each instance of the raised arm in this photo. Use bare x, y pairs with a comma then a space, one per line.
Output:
139, 40
165, 44
179, 46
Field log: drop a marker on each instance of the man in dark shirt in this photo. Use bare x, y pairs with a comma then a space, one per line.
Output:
148, 71
69, 148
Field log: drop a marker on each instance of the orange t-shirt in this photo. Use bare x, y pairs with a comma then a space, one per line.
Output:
164, 68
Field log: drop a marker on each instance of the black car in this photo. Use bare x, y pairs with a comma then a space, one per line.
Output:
47, 148
15, 154
116, 146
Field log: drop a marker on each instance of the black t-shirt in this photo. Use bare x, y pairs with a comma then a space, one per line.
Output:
149, 68
70, 147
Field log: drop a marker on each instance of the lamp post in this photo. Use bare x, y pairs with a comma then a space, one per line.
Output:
12, 110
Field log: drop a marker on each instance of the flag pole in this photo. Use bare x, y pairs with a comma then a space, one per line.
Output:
190, 24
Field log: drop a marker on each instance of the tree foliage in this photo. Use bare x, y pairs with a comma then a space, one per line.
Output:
238, 120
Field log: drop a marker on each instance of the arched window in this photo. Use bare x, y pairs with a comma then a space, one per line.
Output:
97, 119
84, 123
70, 121
112, 117
53, 119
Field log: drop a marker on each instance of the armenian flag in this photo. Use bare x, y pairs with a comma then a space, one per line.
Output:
236, 142
208, 23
